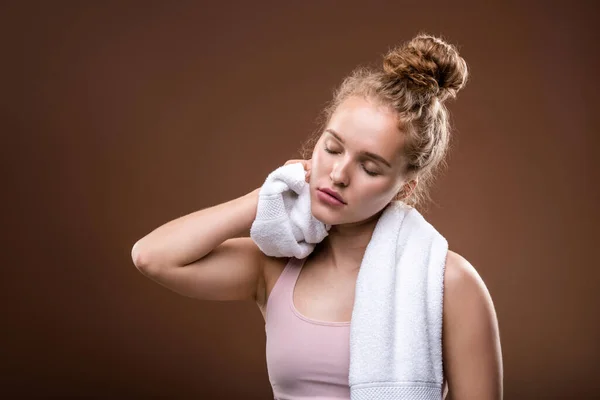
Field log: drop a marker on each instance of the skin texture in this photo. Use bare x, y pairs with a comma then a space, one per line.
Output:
471, 342
470, 337
362, 126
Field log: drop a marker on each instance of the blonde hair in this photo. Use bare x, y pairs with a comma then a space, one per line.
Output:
415, 80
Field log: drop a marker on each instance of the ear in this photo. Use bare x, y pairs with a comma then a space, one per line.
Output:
409, 187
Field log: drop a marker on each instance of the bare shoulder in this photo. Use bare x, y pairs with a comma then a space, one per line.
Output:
460, 273
465, 292
471, 340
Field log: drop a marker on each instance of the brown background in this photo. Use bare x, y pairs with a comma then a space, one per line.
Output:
120, 116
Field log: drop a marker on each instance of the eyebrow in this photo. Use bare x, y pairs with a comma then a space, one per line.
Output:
366, 153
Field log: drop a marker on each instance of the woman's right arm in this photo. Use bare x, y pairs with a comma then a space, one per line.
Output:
199, 255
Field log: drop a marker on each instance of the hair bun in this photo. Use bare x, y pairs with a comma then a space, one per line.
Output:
428, 65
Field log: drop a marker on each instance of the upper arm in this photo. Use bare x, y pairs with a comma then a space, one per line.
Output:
232, 271
471, 341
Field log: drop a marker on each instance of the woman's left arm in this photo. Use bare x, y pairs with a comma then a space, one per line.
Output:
471, 340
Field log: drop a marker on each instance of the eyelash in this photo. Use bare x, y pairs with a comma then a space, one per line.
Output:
366, 170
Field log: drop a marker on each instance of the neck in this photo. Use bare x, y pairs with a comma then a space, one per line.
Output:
345, 245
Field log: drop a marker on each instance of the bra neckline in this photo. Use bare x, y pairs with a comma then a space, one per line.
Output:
300, 315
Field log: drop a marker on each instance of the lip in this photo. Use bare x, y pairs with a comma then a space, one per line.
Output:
333, 193
330, 197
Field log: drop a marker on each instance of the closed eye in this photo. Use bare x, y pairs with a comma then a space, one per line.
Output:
371, 173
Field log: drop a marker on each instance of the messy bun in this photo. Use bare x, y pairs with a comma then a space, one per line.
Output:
416, 79
428, 65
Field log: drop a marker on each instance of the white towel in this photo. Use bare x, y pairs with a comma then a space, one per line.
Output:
396, 326
284, 225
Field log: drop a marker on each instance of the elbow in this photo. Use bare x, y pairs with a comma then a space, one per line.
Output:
141, 259
146, 261
136, 255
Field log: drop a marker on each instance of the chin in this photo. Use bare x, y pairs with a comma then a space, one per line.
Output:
323, 215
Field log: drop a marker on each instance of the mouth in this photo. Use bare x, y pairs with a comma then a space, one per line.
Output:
329, 198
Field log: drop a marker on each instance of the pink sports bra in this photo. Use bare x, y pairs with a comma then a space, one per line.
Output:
306, 358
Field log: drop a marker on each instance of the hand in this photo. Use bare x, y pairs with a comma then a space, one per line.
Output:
307, 164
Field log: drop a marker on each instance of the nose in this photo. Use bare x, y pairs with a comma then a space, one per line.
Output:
339, 175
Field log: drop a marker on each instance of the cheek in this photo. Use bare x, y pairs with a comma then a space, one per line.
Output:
377, 192
317, 163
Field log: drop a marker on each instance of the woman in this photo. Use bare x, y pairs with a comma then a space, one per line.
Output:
385, 133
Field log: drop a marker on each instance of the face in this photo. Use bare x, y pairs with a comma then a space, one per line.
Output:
359, 155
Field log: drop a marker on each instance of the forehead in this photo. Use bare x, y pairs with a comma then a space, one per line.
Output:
365, 125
